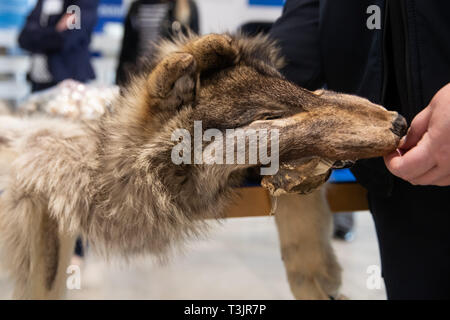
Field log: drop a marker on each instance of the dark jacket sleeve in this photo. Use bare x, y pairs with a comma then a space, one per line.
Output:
129, 51
297, 33
38, 39
194, 23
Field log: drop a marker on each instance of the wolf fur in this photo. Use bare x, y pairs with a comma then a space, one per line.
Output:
113, 181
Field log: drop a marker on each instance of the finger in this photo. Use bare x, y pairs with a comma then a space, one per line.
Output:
413, 163
62, 25
430, 177
434, 175
444, 182
417, 129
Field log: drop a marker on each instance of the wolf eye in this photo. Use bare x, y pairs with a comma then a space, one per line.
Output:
271, 117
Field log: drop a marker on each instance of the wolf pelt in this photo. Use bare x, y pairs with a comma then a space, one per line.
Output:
113, 180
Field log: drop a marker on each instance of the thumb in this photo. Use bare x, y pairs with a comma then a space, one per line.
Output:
418, 127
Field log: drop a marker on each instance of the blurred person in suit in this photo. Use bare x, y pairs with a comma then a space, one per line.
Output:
57, 33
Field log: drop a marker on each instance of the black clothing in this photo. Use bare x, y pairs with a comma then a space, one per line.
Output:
402, 65
413, 234
36, 87
327, 43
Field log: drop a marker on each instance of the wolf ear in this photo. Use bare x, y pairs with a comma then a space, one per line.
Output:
213, 51
175, 79
172, 83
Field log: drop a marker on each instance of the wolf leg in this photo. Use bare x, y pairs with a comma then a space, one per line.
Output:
34, 250
304, 227
50, 258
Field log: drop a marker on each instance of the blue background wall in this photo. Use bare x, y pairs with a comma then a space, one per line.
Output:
109, 11
266, 2
13, 12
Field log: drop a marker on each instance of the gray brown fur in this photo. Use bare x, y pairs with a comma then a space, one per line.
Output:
113, 181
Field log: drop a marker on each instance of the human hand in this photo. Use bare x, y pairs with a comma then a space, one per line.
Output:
64, 22
423, 156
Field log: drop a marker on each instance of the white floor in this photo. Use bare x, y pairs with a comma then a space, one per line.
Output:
240, 260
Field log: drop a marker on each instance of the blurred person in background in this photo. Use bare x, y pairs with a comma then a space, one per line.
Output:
59, 47
148, 21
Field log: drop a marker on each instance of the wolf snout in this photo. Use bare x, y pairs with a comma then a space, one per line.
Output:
399, 126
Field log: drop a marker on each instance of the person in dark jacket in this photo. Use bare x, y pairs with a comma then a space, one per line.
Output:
148, 21
395, 53
57, 33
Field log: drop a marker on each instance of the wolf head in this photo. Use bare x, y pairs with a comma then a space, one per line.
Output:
224, 82
232, 82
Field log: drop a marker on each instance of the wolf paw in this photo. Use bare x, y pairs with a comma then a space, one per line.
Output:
321, 285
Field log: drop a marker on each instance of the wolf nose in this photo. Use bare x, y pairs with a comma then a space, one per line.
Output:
399, 126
